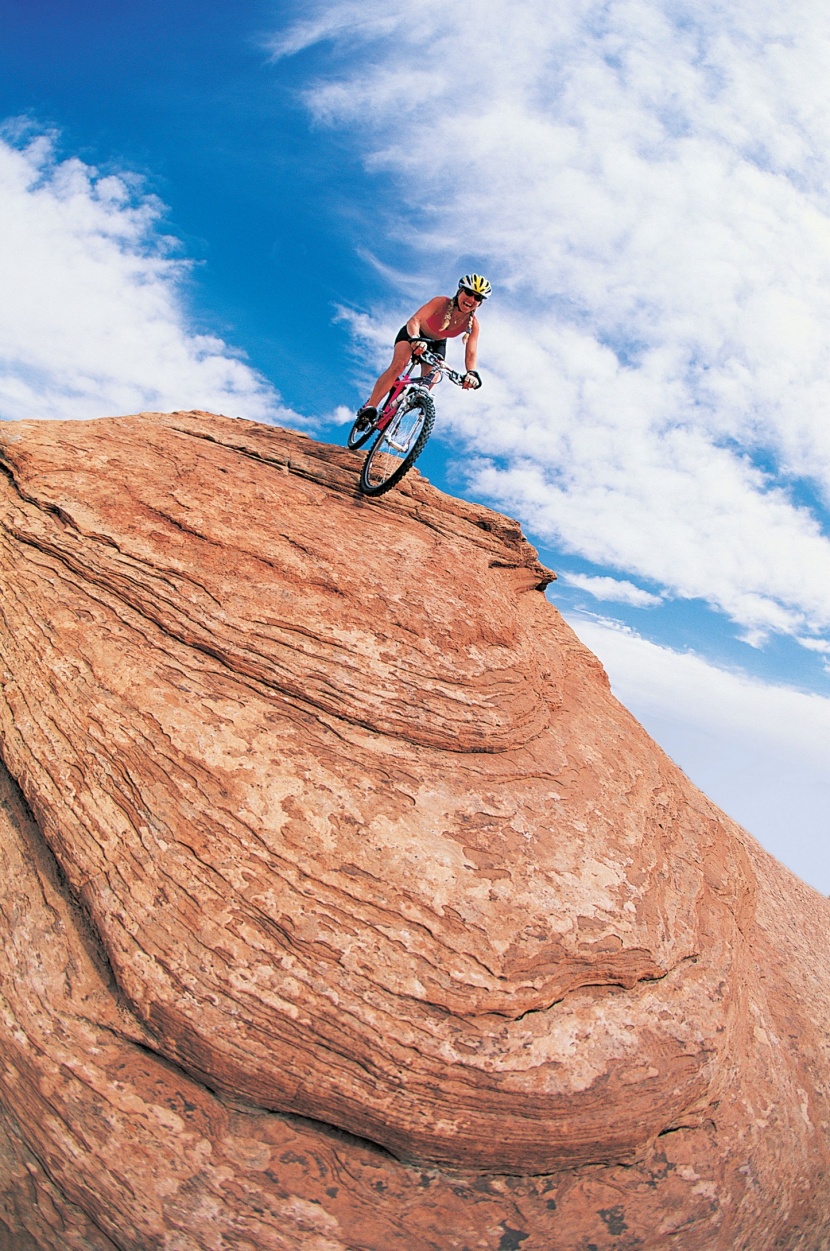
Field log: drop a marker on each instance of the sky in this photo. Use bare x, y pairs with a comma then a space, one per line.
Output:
235, 207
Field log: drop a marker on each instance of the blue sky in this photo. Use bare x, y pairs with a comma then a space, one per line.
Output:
236, 206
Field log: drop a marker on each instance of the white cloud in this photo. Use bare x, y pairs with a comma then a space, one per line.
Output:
613, 590
93, 318
815, 645
760, 751
648, 186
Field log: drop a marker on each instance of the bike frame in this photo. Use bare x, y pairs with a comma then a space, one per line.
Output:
404, 380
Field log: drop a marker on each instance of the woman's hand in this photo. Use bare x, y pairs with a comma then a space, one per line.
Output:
418, 346
472, 380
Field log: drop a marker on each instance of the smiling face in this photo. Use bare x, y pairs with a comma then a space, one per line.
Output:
467, 302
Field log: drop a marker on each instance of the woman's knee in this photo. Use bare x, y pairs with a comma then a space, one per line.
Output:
401, 354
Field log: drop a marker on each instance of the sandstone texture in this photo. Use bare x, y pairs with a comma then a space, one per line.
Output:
343, 908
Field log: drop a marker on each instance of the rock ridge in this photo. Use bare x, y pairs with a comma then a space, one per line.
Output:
367, 843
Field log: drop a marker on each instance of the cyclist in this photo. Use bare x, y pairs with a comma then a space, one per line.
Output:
444, 317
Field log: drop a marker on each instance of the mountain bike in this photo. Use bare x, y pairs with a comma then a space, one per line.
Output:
403, 424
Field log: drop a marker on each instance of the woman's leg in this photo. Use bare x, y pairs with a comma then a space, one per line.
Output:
400, 359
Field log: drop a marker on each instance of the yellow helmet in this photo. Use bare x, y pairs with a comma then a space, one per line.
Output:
475, 284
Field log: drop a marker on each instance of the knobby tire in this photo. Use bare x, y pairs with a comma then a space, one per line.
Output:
386, 464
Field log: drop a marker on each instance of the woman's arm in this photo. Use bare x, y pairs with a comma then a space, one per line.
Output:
471, 348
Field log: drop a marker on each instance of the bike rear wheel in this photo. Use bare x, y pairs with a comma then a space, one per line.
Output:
399, 445
359, 433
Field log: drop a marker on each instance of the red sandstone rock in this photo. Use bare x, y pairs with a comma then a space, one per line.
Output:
329, 826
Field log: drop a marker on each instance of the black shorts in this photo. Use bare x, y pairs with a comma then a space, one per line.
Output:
438, 346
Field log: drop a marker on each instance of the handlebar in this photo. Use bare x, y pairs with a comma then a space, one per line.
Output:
437, 362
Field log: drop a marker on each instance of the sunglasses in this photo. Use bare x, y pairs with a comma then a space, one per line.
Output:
478, 298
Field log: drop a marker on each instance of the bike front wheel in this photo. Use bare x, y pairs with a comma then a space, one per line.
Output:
399, 445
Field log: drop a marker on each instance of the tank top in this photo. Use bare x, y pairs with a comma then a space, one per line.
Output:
432, 327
